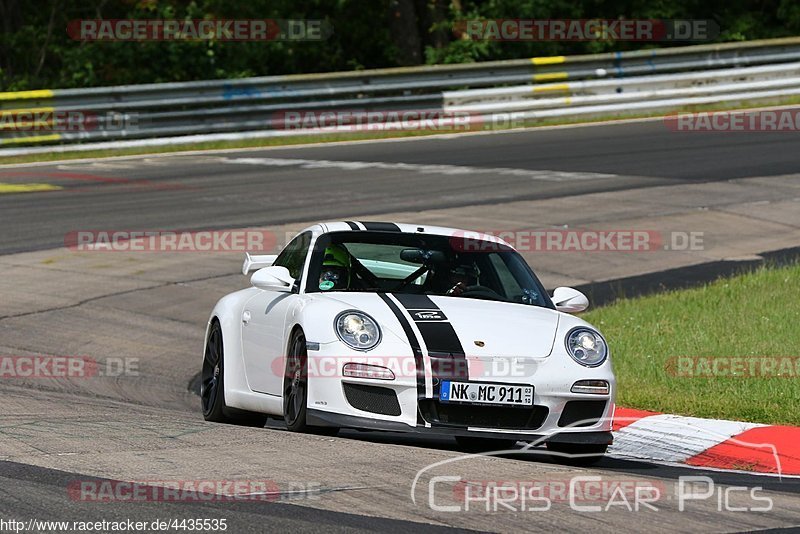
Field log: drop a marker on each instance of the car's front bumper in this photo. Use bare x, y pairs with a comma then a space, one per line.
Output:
553, 416
328, 419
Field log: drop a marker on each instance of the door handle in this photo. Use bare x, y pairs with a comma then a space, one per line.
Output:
246, 317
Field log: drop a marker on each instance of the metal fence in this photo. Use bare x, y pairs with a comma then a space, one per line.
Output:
613, 84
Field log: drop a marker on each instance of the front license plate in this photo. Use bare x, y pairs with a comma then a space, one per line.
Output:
477, 393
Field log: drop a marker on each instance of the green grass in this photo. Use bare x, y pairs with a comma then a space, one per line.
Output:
755, 314
327, 138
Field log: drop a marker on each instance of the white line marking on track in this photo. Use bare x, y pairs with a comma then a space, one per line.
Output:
544, 175
136, 164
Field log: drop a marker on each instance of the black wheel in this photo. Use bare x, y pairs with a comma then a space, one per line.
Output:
295, 389
212, 389
475, 444
577, 454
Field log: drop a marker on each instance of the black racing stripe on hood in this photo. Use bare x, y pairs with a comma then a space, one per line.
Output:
352, 225
419, 361
448, 359
440, 337
415, 302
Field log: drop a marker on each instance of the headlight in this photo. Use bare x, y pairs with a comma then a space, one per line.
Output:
357, 329
586, 347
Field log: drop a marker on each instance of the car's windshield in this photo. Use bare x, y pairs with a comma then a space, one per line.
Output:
422, 264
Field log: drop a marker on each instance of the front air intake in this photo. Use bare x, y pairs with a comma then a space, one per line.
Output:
372, 399
579, 413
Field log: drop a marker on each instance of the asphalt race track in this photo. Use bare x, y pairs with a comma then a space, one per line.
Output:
149, 310
200, 191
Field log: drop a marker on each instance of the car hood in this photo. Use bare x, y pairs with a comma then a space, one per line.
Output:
504, 329
482, 327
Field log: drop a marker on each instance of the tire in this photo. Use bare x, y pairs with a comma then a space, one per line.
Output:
475, 444
212, 386
295, 389
576, 454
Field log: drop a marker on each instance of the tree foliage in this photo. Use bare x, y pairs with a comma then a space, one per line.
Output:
36, 52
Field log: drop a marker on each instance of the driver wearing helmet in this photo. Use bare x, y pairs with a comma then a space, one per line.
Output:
336, 265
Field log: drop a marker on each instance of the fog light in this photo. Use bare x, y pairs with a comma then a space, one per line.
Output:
592, 387
363, 370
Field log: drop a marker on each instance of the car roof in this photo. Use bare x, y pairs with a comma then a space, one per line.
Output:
381, 226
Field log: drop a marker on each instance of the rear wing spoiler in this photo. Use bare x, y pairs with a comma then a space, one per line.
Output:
257, 261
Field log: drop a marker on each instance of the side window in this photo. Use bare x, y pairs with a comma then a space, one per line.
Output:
294, 255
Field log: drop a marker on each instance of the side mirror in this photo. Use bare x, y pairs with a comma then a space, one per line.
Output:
569, 300
273, 278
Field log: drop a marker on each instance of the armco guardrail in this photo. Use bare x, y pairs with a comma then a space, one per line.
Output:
547, 87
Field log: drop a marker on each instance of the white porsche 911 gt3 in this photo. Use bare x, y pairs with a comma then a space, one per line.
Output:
398, 327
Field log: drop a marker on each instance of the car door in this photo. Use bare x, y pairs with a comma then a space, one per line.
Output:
264, 323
